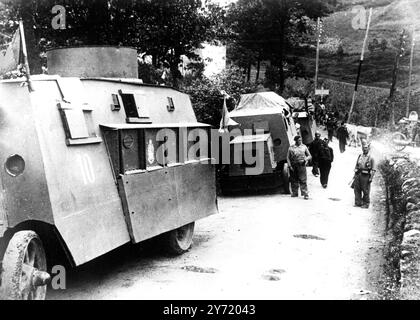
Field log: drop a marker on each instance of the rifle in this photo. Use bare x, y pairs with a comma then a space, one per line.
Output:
351, 183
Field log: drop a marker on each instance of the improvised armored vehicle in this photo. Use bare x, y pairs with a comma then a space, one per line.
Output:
264, 118
303, 115
86, 165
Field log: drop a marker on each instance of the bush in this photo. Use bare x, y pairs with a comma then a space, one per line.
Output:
371, 106
149, 74
207, 98
331, 46
298, 87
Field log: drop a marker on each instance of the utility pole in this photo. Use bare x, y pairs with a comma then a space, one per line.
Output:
359, 71
399, 54
317, 52
413, 40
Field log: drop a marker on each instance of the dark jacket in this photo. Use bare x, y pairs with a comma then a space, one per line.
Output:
331, 124
342, 133
314, 148
326, 154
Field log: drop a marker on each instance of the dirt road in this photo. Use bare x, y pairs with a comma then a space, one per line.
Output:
268, 246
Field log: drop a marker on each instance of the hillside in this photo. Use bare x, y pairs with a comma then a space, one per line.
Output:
389, 18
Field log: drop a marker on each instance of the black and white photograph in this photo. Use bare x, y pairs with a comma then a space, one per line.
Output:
209, 150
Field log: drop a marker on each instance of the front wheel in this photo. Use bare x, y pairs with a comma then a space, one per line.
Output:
24, 275
399, 141
179, 241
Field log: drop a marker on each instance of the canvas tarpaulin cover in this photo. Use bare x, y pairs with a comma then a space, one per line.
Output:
261, 103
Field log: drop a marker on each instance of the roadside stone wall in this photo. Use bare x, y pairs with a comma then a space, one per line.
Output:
410, 246
402, 180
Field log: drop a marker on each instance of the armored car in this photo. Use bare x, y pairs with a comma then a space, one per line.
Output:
92, 159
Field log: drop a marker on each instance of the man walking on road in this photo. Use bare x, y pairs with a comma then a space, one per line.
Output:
297, 159
331, 125
314, 150
364, 173
343, 136
326, 157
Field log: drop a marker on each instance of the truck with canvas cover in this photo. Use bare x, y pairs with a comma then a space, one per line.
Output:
264, 120
93, 159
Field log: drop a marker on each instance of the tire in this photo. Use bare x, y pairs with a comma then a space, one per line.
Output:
285, 176
179, 241
24, 255
399, 141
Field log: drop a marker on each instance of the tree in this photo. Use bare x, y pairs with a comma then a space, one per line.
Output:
171, 29
269, 28
298, 87
249, 29
10, 14
7, 25
164, 29
151, 75
207, 98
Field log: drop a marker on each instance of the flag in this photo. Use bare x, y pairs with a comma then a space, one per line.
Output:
226, 120
16, 55
13, 55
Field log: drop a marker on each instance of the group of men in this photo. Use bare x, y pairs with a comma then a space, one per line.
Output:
322, 158
299, 156
321, 155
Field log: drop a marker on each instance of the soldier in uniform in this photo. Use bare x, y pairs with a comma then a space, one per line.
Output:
364, 173
297, 159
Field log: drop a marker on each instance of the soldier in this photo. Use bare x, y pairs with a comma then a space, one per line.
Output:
314, 150
364, 173
325, 158
297, 159
343, 136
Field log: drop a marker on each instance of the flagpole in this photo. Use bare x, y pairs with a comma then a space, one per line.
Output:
360, 66
223, 121
25, 55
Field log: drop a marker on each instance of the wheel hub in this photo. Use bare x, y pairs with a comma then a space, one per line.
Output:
32, 278
40, 278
